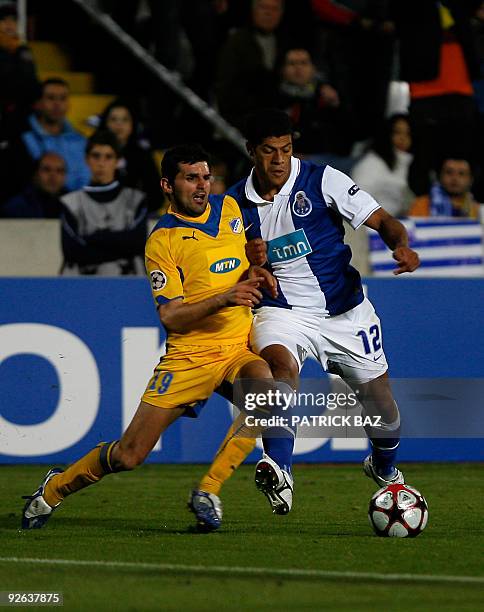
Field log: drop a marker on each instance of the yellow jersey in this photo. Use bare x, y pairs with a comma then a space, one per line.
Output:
194, 258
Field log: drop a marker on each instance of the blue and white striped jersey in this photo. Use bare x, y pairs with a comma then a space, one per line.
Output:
304, 232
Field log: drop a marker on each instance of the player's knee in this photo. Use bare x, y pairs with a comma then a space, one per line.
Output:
285, 370
377, 391
282, 363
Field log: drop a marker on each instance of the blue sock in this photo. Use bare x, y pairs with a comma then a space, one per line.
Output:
278, 445
384, 453
385, 447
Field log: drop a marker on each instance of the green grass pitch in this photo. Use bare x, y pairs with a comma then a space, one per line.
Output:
135, 537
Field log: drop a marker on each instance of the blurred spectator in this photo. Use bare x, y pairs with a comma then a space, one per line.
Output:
438, 59
384, 168
219, 171
451, 196
355, 47
313, 105
136, 166
183, 35
41, 198
50, 131
205, 28
246, 76
104, 224
19, 85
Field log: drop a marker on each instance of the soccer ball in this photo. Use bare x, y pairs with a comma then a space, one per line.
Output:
398, 511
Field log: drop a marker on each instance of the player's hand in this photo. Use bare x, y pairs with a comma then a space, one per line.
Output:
256, 251
244, 293
269, 282
407, 260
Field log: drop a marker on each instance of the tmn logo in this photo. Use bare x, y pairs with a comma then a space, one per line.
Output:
289, 247
225, 265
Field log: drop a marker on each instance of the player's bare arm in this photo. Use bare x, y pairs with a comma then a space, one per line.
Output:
395, 236
178, 317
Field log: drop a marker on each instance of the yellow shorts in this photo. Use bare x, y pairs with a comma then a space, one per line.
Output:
190, 377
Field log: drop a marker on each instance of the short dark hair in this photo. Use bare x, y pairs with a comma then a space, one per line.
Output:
181, 154
8, 9
53, 81
104, 138
254, 2
45, 154
265, 123
454, 156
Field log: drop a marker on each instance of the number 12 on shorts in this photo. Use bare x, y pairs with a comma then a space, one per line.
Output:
373, 342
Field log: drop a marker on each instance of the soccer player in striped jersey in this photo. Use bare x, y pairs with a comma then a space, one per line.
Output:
293, 214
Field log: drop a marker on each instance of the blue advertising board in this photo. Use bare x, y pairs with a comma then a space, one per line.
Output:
76, 354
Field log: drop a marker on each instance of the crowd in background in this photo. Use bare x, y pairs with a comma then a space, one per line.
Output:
328, 64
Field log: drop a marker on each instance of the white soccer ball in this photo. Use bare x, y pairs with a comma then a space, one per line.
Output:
398, 511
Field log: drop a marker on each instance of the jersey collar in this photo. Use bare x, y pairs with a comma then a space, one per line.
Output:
203, 218
252, 195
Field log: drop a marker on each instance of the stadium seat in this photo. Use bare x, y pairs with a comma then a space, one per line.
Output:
53, 61
49, 56
84, 106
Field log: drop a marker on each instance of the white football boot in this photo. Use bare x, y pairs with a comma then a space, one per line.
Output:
37, 511
276, 484
207, 508
371, 472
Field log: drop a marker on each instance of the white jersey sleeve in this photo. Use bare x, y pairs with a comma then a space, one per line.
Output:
341, 194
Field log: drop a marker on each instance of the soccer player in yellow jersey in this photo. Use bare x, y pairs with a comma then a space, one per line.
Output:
204, 291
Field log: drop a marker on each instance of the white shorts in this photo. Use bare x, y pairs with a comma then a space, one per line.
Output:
349, 344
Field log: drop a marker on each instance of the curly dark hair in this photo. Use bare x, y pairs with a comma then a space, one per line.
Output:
103, 137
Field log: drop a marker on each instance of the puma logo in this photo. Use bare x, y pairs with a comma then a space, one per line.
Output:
192, 237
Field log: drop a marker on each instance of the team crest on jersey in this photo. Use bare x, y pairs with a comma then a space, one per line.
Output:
158, 280
236, 225
302, 205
